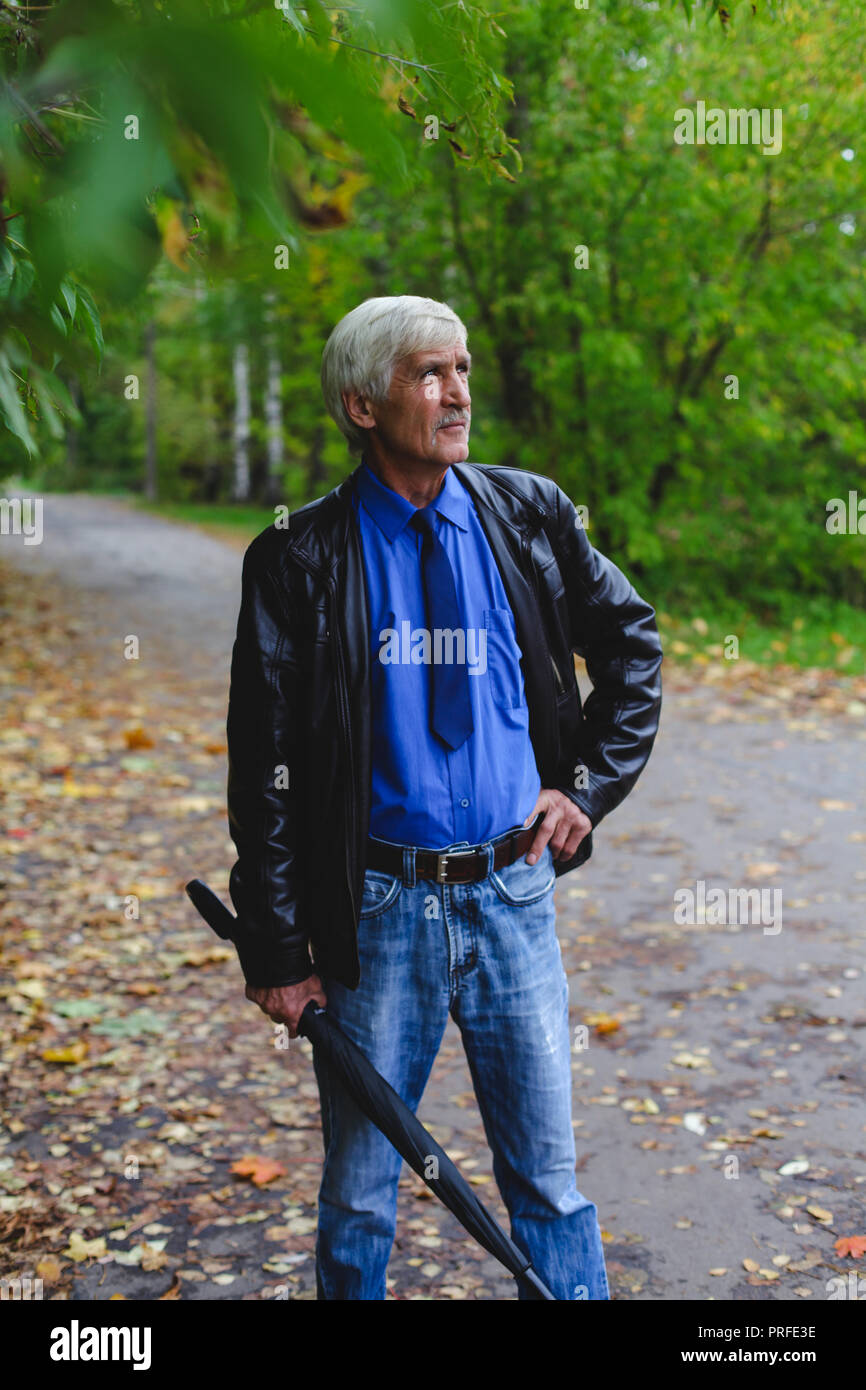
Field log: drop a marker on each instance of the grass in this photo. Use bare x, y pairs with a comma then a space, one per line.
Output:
232, 522
813, 632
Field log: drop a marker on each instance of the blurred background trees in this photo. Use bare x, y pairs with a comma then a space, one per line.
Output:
673, 332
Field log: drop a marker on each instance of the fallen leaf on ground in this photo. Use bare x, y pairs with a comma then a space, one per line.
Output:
137, 738
74, 1052
820, 1213
258, 1170
851, 1245
80, 1249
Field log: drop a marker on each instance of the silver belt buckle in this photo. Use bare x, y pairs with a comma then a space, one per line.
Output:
441, 866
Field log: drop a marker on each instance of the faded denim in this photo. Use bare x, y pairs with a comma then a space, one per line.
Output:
486, 952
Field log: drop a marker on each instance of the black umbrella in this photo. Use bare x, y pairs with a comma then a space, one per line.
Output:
380, 1103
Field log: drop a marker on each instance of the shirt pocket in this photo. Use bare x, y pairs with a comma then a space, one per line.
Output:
503, 658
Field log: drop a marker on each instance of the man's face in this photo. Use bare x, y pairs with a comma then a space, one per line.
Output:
426, 418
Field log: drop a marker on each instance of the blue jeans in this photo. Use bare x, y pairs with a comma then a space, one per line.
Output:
486, 952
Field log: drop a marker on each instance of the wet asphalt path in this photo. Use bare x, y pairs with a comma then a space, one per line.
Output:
735, 1049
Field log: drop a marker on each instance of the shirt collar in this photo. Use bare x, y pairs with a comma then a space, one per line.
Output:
391, 512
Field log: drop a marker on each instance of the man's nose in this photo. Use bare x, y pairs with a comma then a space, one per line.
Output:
456, 390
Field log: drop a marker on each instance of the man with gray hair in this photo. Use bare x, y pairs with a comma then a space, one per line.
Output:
401, 816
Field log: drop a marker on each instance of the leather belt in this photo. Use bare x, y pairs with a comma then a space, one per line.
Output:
456, 865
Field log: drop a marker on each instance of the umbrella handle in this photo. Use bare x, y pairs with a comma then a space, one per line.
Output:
311, 1011
224, 923
212, 909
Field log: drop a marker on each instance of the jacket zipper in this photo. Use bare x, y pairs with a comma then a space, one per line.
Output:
343, 707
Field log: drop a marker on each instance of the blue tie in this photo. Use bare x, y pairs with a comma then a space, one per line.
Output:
451, 703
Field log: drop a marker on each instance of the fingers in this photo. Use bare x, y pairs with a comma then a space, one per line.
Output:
561, 831
542, 835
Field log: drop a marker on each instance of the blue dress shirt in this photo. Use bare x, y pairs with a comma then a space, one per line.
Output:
423, 793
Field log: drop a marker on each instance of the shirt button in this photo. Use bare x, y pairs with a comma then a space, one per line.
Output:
464, 801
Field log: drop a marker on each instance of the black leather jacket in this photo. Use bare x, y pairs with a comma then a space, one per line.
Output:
299, 707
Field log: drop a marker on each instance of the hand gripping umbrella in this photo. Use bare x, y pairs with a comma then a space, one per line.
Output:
389, 1113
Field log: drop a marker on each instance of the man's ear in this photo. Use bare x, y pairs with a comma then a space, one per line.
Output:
358, 409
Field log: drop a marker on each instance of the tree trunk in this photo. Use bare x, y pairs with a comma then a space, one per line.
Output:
241, 374
73, 436
150, 470
273, 406
211, 471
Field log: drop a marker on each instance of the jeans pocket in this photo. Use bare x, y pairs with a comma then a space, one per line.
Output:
380, 891
520, 884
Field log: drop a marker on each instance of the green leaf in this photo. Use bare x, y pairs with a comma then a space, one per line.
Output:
79, 1008
289, 11
50, 415
57, 319
139, 1021
10, 403
56, 389
87, 317
16, 347
53, 397
22, 282
67, 289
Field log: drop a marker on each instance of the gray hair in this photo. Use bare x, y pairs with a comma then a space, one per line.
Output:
364, 346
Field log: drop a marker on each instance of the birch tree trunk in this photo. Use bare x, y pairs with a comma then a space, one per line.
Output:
150, 488
212, 468
273, 404
241, 375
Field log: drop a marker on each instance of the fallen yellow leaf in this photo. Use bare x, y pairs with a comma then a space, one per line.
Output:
820, 1213
80, 1249
151, 1258
75, 1052
49, 1269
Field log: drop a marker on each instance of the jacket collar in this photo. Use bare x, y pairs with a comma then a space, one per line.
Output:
319, 536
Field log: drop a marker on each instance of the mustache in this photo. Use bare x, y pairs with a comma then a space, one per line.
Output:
460, 419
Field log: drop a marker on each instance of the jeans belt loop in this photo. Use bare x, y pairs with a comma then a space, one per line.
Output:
409, 866
490, 853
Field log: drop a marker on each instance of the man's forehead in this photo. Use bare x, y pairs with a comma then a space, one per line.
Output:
435, 354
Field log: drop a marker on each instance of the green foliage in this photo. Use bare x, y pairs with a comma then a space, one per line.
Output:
126, 128
706, 263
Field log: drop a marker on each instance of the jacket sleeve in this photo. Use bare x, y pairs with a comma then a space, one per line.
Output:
615, 631
263, 755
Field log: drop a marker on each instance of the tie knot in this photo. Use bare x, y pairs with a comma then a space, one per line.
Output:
422, 520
